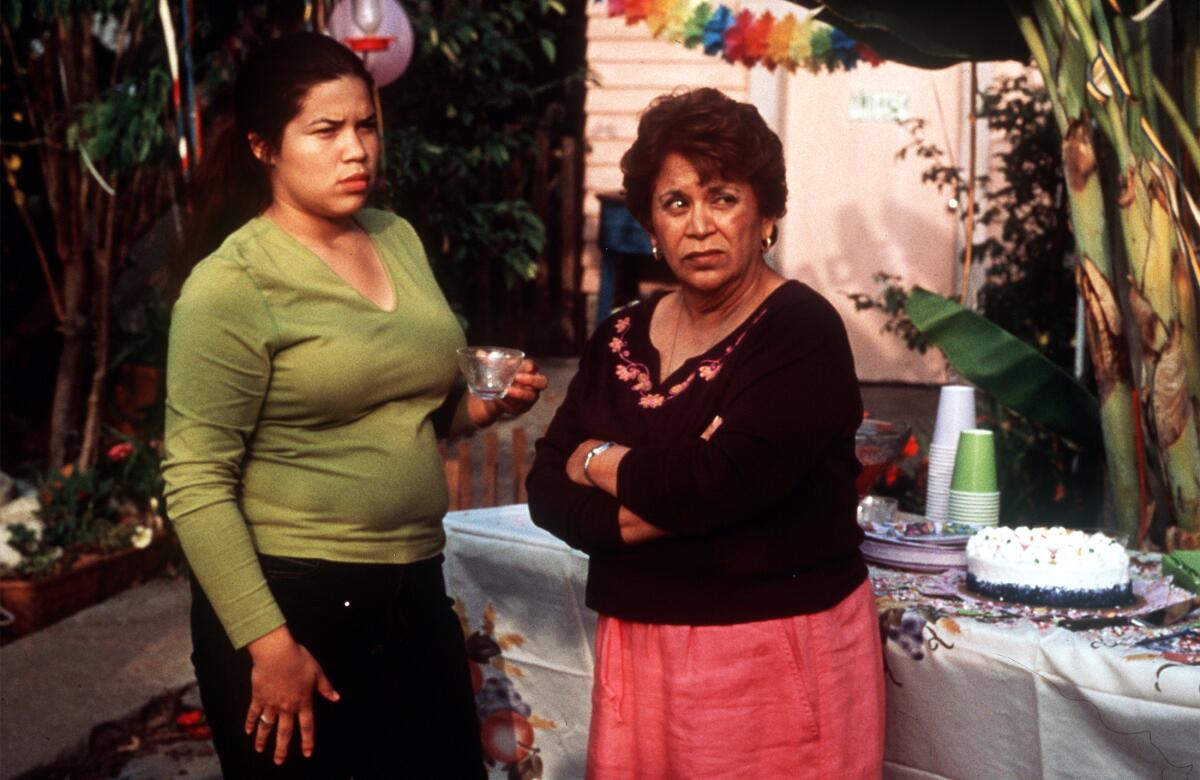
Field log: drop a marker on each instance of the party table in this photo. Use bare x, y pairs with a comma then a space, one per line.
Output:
519, 592
994, 691
974, 691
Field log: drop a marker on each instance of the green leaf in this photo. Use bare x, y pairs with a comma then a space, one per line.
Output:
12, 13
1014, 373
548, 48
927, 33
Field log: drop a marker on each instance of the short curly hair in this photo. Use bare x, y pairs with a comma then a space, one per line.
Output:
715, 133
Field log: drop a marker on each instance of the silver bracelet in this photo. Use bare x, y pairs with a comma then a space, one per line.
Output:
593, 452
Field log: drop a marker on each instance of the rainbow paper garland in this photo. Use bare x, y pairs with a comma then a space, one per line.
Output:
748, 38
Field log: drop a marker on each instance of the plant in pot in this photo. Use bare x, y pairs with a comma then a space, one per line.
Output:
86, 535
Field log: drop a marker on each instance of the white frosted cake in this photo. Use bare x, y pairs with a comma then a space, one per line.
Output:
1052, 566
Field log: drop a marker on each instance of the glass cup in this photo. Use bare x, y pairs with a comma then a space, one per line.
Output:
489, 371
874, 511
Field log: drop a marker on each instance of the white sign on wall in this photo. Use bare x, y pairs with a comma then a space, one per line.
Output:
878, 106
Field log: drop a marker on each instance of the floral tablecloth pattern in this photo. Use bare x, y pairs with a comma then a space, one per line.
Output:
980, 689
519, 593
976, 689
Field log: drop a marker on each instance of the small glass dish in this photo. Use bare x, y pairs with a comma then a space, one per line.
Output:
877, 444
876, 511
489, 371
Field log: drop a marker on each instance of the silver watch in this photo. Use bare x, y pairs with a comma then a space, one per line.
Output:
593, 452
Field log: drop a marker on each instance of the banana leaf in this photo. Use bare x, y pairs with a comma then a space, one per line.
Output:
1004, 366
928, 33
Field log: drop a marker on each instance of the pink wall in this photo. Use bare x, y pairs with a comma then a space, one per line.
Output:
854, 209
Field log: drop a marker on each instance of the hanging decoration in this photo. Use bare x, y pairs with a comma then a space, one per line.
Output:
745, 37
189, 80
379, 31
164, 16
183, 93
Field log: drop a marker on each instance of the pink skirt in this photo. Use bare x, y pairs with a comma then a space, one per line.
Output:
795, 697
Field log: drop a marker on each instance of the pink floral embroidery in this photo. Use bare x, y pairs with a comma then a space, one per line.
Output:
679, 388
629, 370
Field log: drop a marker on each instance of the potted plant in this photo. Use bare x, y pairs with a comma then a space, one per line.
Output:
85, 535
137, 541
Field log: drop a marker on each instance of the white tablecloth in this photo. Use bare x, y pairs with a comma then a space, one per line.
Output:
1014, 702
499, 564
986, 701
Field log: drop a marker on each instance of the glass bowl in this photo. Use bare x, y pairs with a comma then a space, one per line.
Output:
877, 444
489, 371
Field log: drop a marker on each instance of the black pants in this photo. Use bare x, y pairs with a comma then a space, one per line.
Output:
389, 641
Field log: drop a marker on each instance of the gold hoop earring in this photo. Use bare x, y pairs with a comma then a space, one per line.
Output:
770, 239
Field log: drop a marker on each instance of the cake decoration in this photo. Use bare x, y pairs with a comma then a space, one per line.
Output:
1052, 566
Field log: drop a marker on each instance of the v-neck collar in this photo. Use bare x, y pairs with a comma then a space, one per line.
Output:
379, 257
654, 357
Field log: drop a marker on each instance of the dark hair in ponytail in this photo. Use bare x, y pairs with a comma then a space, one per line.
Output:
230, 185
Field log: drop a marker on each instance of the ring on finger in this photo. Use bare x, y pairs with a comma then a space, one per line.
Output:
263, 719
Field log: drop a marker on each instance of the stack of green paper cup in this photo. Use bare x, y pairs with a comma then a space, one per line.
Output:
973, 494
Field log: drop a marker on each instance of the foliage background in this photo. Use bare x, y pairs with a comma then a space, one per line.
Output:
474, 132
1028, 289
473, 158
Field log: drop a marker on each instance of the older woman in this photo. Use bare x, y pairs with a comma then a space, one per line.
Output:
704, 458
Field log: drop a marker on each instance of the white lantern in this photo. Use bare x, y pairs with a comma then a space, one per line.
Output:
367, 15
379, 31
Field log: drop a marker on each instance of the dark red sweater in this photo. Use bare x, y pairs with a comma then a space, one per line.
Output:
762, 516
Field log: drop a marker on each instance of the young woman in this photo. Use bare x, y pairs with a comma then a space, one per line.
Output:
311, 370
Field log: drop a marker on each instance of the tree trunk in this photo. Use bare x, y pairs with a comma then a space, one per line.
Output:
1161, 310
91, 228
103, 265
1148, 229
64, 408
1104, 321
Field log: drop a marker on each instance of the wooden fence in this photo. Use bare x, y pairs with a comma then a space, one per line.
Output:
464, 472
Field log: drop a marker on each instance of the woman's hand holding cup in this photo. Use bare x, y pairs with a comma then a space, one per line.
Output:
522, 394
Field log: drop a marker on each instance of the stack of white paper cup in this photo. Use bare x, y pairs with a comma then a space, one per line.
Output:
956, 413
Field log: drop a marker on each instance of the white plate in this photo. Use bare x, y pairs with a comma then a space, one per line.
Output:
914, 557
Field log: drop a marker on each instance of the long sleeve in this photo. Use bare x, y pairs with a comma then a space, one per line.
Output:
219, 369
760, 517
583, 517
793, 395
452, 418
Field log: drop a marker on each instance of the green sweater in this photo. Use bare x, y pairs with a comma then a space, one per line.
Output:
301, 417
